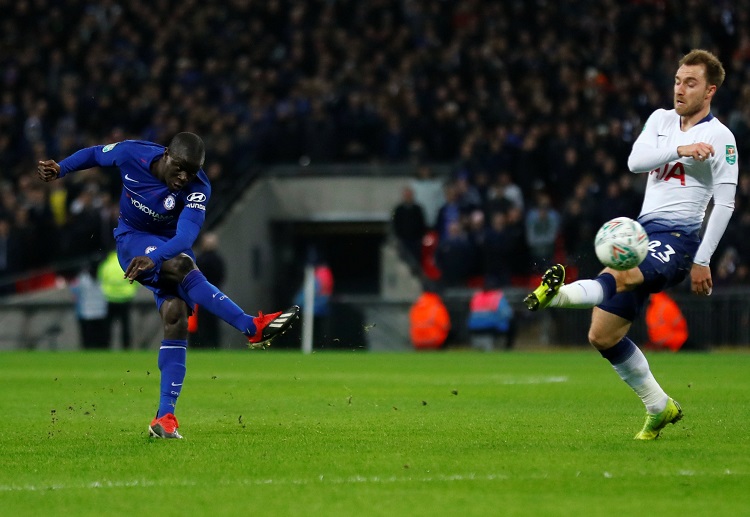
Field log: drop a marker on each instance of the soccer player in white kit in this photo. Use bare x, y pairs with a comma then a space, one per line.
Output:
690, 156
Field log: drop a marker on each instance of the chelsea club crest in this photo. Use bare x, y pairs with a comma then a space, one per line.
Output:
169, 202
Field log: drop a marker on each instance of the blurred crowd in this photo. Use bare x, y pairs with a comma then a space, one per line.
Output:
534, 103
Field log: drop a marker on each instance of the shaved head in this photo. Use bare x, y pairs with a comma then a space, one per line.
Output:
189, 149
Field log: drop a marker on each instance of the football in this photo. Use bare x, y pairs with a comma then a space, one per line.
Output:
621, 243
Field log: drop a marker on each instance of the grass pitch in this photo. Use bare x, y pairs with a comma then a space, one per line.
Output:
458, 433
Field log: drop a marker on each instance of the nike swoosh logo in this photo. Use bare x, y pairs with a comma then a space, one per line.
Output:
173, 384
131, 179
214, 296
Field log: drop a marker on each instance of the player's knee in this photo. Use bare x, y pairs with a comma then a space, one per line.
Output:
175, 318
179, 266
602, 340
176, 327
626, 280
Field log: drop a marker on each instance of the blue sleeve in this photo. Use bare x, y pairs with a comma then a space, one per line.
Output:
88, 158
187, 231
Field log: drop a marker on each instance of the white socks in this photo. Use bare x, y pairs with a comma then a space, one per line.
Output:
637, 374
581, 294
585, 294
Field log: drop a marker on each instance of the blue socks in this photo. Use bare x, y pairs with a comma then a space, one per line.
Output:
172, 356
609, 285
621, 352
200, 291
173, 352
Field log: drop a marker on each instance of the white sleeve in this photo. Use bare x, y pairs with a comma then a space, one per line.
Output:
717, 222
644, 158
646, 154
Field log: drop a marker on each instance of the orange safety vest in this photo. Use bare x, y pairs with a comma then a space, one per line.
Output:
665, 323
429, 322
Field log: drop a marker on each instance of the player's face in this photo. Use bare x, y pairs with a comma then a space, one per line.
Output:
692, 92
178, 172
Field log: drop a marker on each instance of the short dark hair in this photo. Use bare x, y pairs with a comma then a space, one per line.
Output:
188, 147
714, 69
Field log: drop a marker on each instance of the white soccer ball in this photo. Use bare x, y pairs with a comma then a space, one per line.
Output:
621, 243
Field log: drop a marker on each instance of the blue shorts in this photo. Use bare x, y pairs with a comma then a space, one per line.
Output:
668, 262
133, 244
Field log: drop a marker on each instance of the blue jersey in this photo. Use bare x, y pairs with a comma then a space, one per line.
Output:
146, 204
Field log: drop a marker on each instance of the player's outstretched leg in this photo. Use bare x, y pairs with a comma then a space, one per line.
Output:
655, 423
260, 330
552, 280
270, 326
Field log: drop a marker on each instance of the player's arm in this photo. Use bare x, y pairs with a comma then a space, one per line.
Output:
49, 170
725, 174
188, 227
717, 223
700, 273
646, 154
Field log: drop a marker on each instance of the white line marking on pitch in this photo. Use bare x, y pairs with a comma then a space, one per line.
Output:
321, 480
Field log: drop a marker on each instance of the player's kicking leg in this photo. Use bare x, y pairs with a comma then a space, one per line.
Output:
192, 285
552, 280
270, 326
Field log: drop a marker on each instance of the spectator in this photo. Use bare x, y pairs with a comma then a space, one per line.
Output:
455, 256
323, 290
516, 230
490, 318
208, 329
9, 263
119, 294
91, 309
578, 228
450, 210
409, 224
84, 228
428, 193
429, 321
542, 230
504, 194
496, 251
665, 324
420, 86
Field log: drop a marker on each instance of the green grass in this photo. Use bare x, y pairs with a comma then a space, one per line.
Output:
458, 433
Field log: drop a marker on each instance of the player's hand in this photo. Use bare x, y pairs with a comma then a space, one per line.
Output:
48, 170
700, 151
700, 280
137, 266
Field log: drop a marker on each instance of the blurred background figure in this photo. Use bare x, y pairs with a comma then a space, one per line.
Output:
409, 224
119, 293
8, 256
323, 290
428, 192
542, 229
456, 255
491, 318
91, 309
207, 332
429, 321
666, 326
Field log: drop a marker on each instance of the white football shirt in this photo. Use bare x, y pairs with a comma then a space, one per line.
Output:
679, 188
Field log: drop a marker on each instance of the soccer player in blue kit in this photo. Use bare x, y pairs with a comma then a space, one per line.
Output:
162, 209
